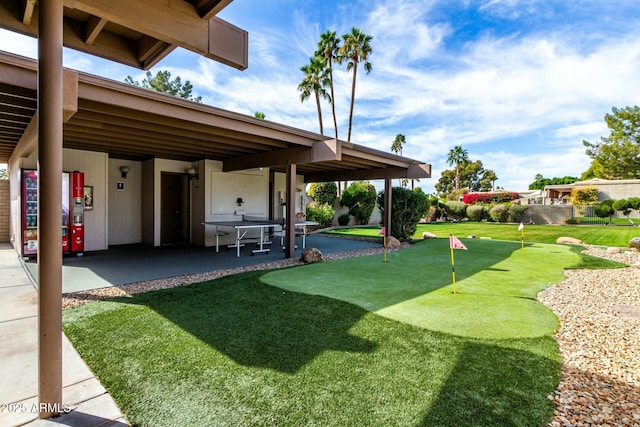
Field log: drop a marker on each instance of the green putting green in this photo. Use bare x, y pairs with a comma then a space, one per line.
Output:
496, 283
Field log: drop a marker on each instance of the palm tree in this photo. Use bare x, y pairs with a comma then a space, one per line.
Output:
457, 155
356, 48
315, 80
327, 49
396, 147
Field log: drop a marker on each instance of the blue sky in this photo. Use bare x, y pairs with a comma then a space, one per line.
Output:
518, 84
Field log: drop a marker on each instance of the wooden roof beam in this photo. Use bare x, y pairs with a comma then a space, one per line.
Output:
93, 28
321, 151
175, 23
29, 8
210, 8
417, 171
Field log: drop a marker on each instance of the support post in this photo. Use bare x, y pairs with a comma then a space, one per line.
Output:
387, 206
290, 224
50, 95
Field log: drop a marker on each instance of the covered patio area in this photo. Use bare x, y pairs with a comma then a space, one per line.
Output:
126, 264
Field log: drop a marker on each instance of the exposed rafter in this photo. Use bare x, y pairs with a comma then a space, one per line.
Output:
146, 33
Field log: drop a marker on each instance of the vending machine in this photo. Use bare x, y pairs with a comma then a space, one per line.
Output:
72, 207
77, 211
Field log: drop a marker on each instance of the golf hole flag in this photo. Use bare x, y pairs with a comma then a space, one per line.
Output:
454, 243
521, 230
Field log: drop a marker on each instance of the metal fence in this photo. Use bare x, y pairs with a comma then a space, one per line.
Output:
585, 214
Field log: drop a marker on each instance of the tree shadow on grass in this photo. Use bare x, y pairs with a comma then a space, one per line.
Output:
496, 386
258, 325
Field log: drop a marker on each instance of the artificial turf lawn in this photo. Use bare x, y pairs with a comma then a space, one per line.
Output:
594, 235
497, 284
236, 351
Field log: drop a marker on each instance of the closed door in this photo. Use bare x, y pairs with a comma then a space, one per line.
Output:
174, 209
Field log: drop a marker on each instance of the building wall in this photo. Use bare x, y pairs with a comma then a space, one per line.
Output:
547, 214
125, 202
222, 189
5, 211
610, 189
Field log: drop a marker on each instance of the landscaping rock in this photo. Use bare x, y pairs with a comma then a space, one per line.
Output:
635, 243
472, 236
614, 250
568, 241
427, 235
311, 255
392, 242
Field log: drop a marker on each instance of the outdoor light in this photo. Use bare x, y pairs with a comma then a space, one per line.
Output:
239, 201
124, 170
193, 173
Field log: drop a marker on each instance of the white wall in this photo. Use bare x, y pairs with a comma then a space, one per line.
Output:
224, 188
125, 205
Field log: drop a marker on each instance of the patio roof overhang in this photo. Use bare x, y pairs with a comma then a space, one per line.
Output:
134, 123
142, 36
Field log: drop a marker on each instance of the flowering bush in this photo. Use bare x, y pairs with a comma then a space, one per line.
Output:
490, 197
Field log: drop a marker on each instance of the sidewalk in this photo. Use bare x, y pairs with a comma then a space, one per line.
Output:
93, 406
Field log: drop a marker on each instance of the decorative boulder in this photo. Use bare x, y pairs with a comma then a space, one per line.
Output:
614, 250
635, 243
472, 236
568, 241
311, 255
427, 235
392, 242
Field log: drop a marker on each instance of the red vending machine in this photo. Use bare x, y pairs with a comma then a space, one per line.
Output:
30, 212
77, 213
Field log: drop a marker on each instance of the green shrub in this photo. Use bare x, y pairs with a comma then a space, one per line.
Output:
476, 212
572, 221
323, 192
623, 206
407, 209
360, 198
516, 211
604, 210
322, 214
634, 202
456, 210
344, 219
499, 213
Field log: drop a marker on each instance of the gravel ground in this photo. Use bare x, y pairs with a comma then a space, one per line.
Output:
599, 337
599, 340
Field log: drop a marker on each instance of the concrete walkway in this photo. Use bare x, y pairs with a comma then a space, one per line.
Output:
92, 405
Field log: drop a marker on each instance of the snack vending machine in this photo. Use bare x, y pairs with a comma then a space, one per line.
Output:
72, 204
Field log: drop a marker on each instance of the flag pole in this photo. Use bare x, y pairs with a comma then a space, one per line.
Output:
453, 270
521, 228
384, 244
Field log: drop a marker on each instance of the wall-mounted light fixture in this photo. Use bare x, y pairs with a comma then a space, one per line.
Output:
124, 170
193, 173
239, 201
